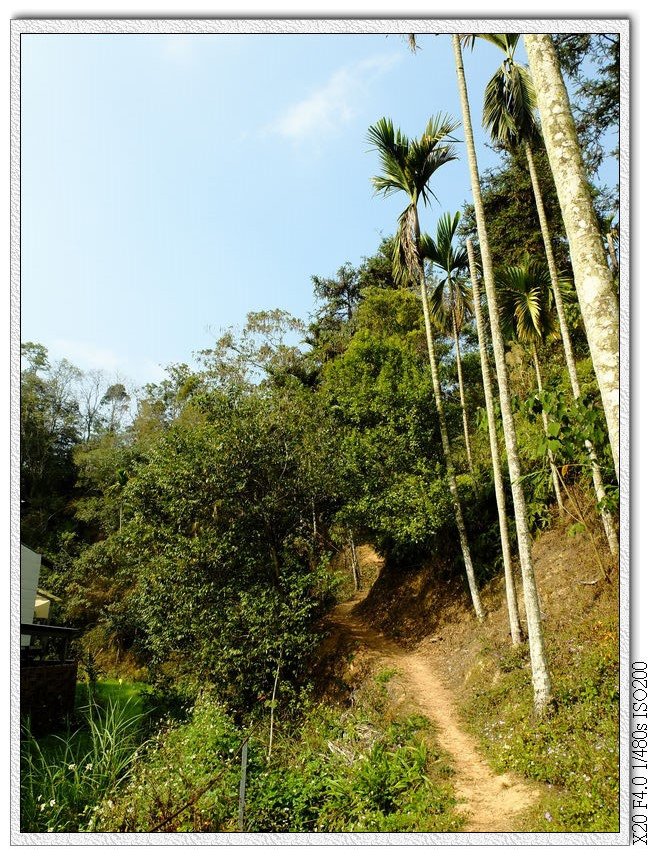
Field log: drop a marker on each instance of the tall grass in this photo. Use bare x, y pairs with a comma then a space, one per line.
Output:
63, 783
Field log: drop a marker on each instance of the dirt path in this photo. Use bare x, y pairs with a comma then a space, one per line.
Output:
490, 801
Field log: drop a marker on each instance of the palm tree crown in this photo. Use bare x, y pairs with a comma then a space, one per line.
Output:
525, 298
451, 299
510, 100
407, 166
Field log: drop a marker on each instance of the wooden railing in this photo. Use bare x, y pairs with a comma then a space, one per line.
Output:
51, 639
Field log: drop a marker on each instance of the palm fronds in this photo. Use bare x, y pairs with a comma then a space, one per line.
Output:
451, 298
509, 106
510, 99
411, 40
525, 298
408, 165
507, 42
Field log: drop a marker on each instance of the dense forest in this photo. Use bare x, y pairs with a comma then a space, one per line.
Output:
452, 399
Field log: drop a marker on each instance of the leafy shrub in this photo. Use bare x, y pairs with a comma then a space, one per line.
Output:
353, 772
181, 759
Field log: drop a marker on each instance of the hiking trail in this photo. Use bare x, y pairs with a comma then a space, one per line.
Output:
489, 801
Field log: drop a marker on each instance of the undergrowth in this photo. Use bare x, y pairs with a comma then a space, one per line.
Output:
574, 749
336, 771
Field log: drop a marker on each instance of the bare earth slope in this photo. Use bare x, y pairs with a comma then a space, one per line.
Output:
491, 802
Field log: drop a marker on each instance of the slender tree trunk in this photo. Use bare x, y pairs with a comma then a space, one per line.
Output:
461, 391
511, 591
554, 473
599, 487
355, 564
276, 562
593, 279
539, 668
451, 477
275, 688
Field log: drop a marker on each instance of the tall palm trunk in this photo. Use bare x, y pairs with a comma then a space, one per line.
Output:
511, 591
442, 422
554, 474
461, 391
593, 278
599, 487
539, 668
451, 477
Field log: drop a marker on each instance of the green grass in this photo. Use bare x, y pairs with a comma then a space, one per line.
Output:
574, 750
129, 695
384, 676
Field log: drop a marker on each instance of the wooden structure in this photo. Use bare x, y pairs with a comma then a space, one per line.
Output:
48, 676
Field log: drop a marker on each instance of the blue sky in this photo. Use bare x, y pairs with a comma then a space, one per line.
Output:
171, 184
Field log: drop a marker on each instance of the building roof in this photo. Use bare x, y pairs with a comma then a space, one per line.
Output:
47, 595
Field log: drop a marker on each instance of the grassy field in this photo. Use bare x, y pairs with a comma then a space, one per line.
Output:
129, 695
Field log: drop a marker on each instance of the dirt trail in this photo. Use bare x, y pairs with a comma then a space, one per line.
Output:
490, 801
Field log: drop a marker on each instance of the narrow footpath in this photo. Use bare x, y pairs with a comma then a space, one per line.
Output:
490, 802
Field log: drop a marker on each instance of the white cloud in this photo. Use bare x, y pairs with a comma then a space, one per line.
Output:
330, 107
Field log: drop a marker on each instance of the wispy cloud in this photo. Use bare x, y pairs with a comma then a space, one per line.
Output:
138, 370
86, 355
329, 108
